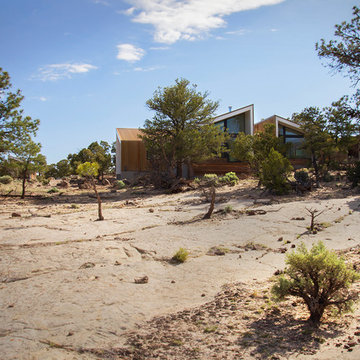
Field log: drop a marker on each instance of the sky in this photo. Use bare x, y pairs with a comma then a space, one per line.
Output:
87, 67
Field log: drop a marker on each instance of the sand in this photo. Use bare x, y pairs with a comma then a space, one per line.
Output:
67, 281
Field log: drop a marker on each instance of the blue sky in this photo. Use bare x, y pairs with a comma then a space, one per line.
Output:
86, 67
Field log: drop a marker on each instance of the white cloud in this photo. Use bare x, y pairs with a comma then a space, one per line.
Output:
42, 98
175, 20
129, 52
55, 72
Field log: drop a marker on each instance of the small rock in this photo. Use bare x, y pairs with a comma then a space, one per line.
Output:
219, 252
283, 250
142, 280
280, 238
203, 295
173, 281
14, 214
352, 343
357, 333
298, 218
240, 256
293, 246
92, 278
87, 265
151, 210
117, 263
70, 333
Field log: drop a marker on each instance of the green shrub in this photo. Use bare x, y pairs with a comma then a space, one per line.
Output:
353, 174
229, 178
210, 177
228, 209
274, 171
319, 277
53, 190
120, 184
45, 181
302, 176
6, 179
180, 256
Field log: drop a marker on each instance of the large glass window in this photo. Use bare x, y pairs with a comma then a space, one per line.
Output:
295, 139
236, 124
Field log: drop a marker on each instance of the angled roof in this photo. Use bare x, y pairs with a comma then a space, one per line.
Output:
234, 113
126, 134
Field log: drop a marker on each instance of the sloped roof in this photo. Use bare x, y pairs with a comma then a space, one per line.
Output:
127, 134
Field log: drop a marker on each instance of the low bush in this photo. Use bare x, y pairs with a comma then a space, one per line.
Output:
6, 179
302, 176
229, 178
353, 174
53, 190
180, 256
120, 184
319, 277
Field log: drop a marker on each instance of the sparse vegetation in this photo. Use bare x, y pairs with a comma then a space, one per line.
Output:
320, 278
53, 190
229, 178
353, 174
6, 179
180, 256
120, 184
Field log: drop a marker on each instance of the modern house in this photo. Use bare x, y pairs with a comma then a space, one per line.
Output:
131, 154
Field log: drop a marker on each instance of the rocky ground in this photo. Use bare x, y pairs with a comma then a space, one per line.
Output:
72, 287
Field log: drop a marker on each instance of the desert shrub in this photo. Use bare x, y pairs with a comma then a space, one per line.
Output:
6, 179
210, 177
228, 209
302, 176
274, 171
180, 256
229, 178
53, 190
319, 277
45, 181
120, 184
353, 174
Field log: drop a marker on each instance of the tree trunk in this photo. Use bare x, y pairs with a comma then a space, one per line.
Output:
316, 168
23, 186
316, 312
212, 204
179, 169
98, 200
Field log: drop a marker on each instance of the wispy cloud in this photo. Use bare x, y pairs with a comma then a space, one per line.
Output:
55, 72
101, 2
39, 98
160, 48
237, 32
175, 20
129, 52
147, 69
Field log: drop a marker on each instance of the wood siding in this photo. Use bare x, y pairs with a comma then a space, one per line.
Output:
220, 167
133, 156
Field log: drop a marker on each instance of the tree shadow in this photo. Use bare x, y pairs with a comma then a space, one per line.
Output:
354, 205
278, 335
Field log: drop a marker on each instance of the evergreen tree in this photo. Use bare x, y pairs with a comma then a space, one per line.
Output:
15, 128
181, 130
